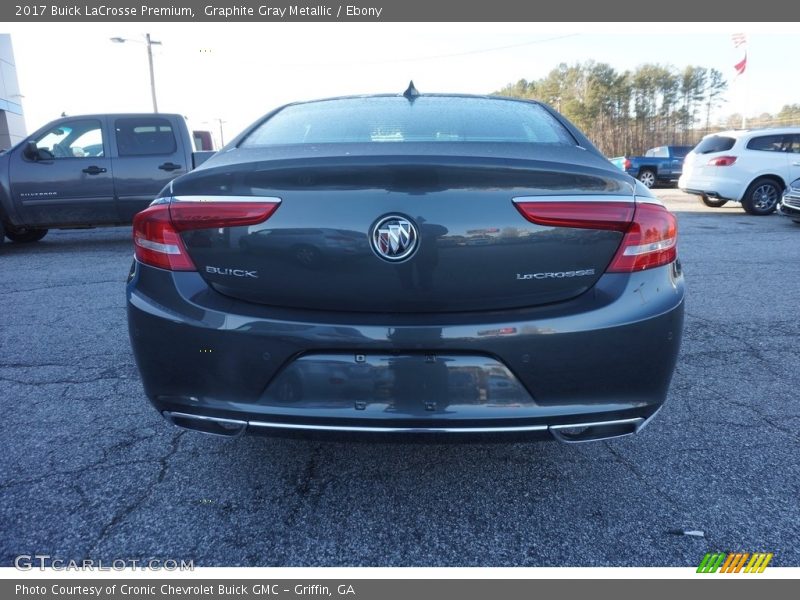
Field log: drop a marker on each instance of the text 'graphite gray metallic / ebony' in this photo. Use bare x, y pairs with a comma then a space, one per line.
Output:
452, 265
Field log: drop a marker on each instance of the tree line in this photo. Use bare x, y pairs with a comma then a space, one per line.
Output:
626, 113
788, 116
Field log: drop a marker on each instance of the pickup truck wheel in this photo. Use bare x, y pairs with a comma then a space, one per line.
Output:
762, 197
24, 235
647, 177
713, 202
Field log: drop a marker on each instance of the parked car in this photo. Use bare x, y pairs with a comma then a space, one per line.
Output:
568, 322
89, 171
750, 166
790, 204
658, 165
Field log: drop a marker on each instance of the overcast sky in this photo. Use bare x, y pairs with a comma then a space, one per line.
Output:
237, 72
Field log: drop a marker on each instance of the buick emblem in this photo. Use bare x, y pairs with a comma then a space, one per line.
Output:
394, 238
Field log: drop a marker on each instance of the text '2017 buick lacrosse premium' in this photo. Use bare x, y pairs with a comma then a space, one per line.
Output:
407, 266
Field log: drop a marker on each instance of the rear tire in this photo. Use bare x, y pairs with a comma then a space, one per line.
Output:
25, 235
647, 177
762, 197
713, 202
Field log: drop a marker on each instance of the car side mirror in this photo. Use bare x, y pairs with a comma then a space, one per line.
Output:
31, 151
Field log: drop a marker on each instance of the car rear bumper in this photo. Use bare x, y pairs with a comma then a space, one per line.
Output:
601, 362
789, 206
713, 187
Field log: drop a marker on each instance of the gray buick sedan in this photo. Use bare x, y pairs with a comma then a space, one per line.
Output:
408, 266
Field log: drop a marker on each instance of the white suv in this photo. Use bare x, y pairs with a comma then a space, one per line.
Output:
748, 166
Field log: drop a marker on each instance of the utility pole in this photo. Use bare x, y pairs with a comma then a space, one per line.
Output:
150, 43
152, 73
221, 137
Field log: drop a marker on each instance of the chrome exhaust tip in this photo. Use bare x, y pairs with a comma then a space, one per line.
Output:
592, 432
210, 425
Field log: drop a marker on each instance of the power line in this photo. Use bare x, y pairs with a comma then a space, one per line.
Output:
432, 57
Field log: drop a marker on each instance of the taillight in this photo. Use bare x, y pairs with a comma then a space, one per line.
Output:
722, 161
615, 216
156, 230
156, 241
651, 231
627, 164
650, 241
188, 215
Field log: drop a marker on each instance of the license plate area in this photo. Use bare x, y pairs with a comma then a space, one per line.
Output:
406, 384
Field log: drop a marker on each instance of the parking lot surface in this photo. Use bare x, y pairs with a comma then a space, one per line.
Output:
90, 470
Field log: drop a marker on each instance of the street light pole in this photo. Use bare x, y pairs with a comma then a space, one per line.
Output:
221, 136
218, 121
150, 43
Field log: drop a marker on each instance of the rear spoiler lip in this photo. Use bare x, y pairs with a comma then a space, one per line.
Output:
385, 151
602, 170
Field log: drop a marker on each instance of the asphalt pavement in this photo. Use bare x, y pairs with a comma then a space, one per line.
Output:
89, 470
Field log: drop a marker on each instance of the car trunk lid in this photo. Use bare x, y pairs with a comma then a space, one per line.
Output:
397, 233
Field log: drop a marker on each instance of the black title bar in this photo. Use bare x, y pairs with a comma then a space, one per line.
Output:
407, 10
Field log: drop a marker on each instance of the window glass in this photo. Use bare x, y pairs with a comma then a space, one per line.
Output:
72, 139
660, 152
767, 143
715, 143
144, 136
394, 119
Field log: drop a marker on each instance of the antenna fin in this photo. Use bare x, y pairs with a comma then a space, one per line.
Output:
411, 92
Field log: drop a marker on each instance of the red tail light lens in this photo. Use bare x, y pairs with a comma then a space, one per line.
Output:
650, 241
627, 164
156, 230
208, 215
722, 161
651, 231
156, 241
611, 215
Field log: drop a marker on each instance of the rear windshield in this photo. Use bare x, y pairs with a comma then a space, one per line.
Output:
715, 143
680, 151
396, 120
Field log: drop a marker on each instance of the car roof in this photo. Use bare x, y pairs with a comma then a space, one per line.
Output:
738, 133
99, 116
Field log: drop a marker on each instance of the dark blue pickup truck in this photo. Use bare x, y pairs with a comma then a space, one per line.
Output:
658, 165
90, 171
